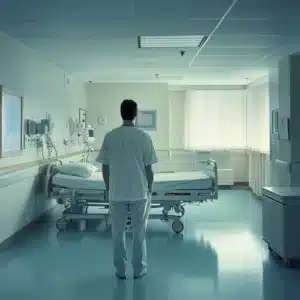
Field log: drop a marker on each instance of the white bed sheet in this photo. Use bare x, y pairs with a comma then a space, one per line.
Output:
196, 180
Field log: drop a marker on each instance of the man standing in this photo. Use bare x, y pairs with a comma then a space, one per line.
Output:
127, 155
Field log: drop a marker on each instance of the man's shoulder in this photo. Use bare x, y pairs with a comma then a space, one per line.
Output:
112, 132
143, 134
139, 133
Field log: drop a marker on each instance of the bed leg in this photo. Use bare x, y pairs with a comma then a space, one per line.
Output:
82, 225
165, 216
179, 209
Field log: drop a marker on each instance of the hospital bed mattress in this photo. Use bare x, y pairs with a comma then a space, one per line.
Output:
196, 180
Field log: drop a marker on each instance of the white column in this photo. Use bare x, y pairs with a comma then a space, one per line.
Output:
285, 95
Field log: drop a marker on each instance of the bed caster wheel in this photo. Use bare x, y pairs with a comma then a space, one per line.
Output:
61, 224
177, 226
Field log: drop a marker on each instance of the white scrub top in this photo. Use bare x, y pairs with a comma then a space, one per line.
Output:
127, 150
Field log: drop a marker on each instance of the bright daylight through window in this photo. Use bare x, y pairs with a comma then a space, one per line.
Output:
215, 120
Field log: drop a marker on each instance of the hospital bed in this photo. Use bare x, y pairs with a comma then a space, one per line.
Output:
81, 196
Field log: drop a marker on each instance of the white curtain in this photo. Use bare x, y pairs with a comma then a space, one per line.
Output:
215, 120
258, 118
258, 136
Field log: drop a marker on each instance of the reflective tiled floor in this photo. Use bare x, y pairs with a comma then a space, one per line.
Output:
219, 256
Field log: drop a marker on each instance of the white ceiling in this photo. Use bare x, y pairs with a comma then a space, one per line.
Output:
96, 40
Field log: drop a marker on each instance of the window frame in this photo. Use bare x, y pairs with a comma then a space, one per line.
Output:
19, 94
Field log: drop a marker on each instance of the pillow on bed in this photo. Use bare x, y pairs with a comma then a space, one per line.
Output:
79, 169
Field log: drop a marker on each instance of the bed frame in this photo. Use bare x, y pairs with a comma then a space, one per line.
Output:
171, 203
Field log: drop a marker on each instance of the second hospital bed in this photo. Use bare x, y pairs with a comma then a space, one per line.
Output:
171, 192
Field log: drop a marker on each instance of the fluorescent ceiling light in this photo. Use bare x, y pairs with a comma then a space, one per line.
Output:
185, 41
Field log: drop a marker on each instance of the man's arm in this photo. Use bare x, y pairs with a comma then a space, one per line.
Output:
149, 160
103, 158
105, 172
150, 177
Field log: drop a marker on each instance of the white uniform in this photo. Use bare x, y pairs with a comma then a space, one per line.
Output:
128, 150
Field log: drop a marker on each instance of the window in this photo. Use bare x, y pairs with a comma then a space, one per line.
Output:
11, 111
215, 120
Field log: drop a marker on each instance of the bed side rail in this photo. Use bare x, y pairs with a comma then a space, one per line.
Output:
211, 169
51, 169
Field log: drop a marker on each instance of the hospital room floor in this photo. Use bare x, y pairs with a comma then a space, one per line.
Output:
219, 256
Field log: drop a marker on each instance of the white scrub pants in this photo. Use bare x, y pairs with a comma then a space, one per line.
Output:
139, 213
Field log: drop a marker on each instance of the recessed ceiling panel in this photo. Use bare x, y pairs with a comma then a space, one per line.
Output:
234, 51
264, 27
250, 41
95, 29
266, 9
19, 11
222, 62
170, 9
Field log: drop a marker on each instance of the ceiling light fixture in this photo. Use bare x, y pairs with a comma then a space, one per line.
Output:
185, 41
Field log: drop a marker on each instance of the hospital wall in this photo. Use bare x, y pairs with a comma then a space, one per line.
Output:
45, 90
104, 100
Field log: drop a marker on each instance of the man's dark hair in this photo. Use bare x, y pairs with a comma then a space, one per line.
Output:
128, 110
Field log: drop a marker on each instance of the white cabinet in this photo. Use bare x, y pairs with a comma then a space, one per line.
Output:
281, 221
273, 224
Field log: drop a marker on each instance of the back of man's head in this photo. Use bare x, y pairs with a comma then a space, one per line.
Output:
128, 110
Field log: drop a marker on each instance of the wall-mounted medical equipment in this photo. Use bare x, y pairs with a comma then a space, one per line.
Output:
11, 126
31, 136
82, 117
43, 126
30, 127
44, 137
72, 125
88, 140
49, 136
38, 134
147, 120
89, 135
